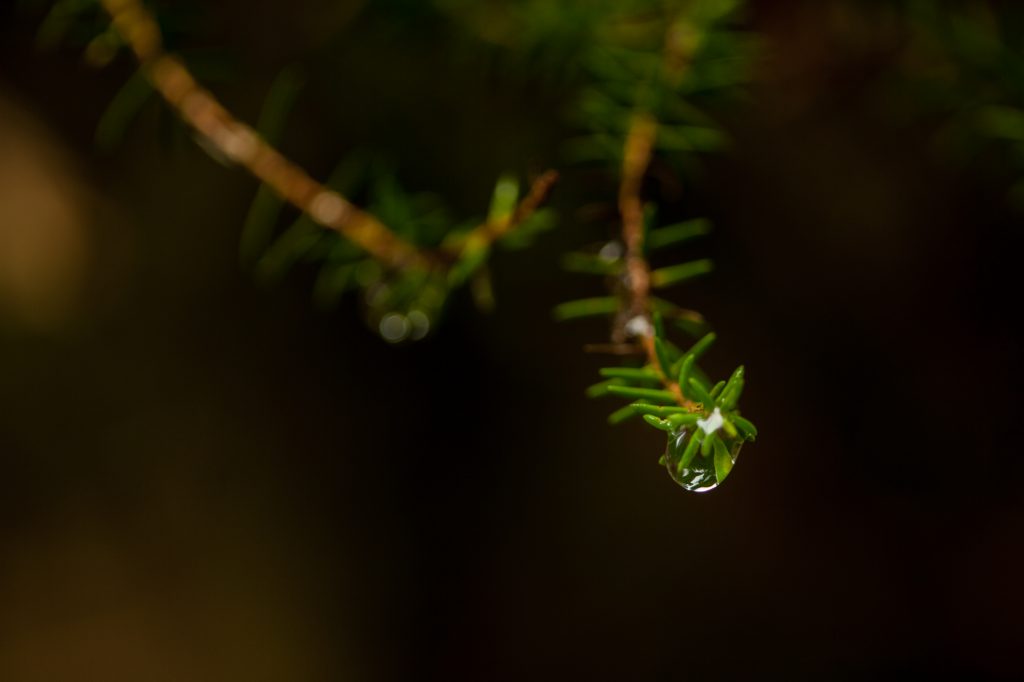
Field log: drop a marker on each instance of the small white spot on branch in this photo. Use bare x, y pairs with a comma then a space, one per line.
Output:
328, 208
639, 326
239, 143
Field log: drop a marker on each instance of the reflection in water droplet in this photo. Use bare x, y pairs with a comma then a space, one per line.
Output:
698, 475
420, 324
395, 327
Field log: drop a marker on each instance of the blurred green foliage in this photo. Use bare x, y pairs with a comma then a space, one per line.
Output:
964, 64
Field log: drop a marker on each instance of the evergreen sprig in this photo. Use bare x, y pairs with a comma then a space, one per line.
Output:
646, 64
650, 63
401, 250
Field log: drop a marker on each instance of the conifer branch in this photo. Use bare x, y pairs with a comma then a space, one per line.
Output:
642, 101
496, 227
638, 154
400, 255
639, 150
241, 144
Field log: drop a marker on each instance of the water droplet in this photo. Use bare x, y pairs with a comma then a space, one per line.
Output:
395, 327
697, 475
420, 324
639, 326
611, 252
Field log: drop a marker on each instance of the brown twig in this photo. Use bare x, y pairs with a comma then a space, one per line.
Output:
493, 230
637, 156
239, 143
639, 150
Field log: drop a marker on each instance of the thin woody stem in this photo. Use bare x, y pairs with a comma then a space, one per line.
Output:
492, 230
242, 145
639, 151
637, 156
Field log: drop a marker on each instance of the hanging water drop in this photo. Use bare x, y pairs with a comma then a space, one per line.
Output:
691, 469
611, 252
394, 327
420, 325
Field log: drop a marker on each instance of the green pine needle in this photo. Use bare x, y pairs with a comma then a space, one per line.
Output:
673, 235
677, 274
634, 393
589, 307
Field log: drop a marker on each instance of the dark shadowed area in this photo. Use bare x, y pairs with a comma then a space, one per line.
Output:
202, 478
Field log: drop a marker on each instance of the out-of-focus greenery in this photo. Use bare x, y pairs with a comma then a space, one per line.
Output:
964, 65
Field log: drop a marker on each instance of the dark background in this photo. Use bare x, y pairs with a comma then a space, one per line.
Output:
203, 479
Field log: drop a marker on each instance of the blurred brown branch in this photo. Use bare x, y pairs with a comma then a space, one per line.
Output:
241, 144
634, 318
